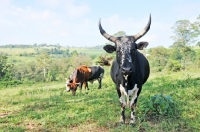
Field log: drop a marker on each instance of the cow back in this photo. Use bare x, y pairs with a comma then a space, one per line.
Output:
96, 72
83, 74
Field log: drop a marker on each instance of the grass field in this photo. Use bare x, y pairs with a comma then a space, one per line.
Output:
48, 107
17, 51
89, 51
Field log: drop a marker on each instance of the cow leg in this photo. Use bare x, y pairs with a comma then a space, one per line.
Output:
87, 85
122, 118
123, 104
99, 80
81, 84
133, 104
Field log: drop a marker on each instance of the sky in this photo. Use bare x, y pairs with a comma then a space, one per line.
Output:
75, 22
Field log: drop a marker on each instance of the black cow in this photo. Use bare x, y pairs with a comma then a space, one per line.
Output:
130, 70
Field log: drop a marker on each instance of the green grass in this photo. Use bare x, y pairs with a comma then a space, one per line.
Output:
48, 107
17, 51
88, 51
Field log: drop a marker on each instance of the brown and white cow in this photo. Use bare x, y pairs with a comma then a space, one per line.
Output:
81, 75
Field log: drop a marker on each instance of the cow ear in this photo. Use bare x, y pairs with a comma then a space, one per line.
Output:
109, 48
66, 79
141, 45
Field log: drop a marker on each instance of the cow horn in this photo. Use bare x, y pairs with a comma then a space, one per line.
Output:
78, 83
144, 31
107, 36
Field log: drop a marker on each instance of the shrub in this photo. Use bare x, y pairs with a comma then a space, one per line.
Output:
159, 105
173, 65
4, 84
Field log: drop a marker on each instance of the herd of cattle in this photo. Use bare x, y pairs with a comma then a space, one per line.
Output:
129, 71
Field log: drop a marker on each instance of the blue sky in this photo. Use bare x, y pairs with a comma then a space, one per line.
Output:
75, 22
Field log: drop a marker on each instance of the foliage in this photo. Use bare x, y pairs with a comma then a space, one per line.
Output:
197, 59
176, 53
185, 34
8, 83
159, 105
173, 65
159, 57
5, 68
44, 61
77, 60
119, 34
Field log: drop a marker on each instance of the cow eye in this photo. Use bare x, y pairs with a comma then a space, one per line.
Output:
133, 50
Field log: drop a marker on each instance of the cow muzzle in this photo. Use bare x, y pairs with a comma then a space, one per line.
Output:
127, 70
67, 87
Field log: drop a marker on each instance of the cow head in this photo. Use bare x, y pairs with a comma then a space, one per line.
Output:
70, 86
125, 47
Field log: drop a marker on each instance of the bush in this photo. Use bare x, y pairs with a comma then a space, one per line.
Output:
4, 84
159, 105
173, 65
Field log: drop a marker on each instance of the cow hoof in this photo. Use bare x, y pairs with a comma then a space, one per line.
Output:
132, 124
121, 122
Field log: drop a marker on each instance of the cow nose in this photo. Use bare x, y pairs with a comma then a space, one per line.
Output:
126, 70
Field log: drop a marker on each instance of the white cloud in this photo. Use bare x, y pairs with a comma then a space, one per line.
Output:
75, 10
4, 3
49, 3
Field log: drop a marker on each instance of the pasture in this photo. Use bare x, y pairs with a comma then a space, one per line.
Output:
48, 107
89, 51
18, 51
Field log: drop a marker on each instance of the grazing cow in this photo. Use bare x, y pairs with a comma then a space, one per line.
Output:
82, 75
130, 70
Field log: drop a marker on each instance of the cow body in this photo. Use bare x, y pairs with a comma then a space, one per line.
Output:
97, 74
130, 70
82, 75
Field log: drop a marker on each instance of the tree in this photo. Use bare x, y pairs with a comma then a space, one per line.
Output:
5, 68
120, 33
197, 60
196, 26
44, 61
159, 56
186, 33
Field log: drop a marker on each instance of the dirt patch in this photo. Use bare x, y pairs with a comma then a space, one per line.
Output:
32, 125
2, 115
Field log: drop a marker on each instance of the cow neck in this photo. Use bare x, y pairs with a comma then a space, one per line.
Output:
75, 76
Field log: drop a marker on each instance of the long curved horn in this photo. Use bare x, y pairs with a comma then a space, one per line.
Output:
107, 36
144, 31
